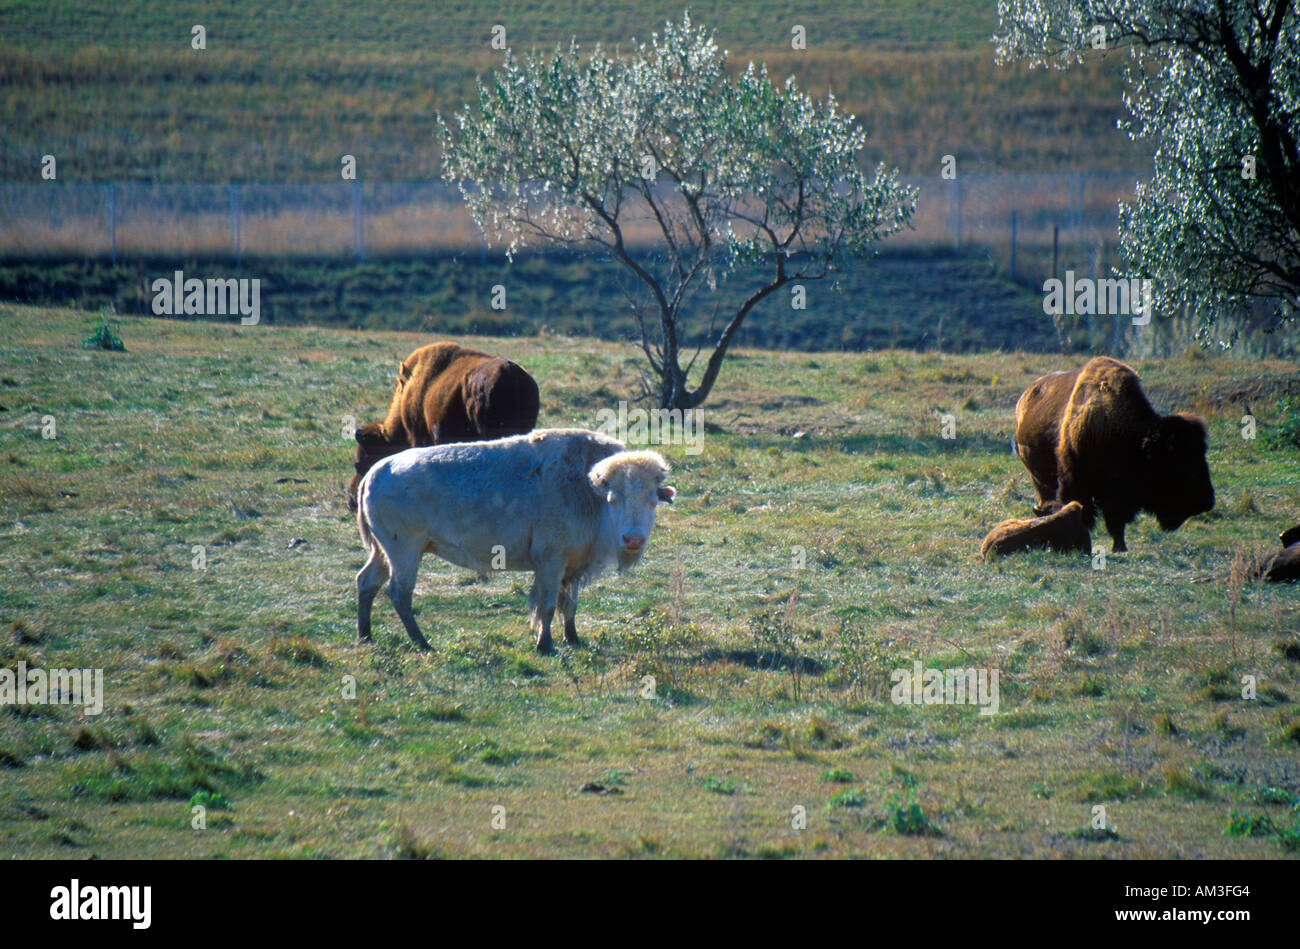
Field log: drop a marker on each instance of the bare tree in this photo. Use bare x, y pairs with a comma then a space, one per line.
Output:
683, 174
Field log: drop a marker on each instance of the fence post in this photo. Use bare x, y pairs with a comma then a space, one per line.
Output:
110, 199
1069, 214
957, 184
1078, 203
1013, 246
234, 223
1056, 241
952, 209
358, 222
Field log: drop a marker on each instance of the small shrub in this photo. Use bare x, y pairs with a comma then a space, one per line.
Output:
1285, 432
104, 336
1107, 786
1250, 825
615, 777
1272, 795
911, 821
726, 787
212, 800
849, 797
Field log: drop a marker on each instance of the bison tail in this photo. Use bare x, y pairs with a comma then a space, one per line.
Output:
363, 522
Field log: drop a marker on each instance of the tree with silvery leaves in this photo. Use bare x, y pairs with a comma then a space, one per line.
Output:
663, 150
1215, 86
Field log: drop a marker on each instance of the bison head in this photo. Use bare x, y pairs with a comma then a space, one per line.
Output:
1179, 477
632, 484
372, 446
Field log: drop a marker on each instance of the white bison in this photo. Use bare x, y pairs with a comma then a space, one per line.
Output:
567, 504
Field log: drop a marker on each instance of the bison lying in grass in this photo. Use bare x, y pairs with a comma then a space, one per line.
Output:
1285, 566
566, 504
1062, 531
1091, 436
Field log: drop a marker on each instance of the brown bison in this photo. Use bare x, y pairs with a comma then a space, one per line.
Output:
447, 393
1062, 531
1285, 567
1091, 436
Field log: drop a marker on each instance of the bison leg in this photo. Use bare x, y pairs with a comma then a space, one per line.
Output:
369, 580
1115, 527
1042, 472
401, 597
1069, 490
568, 606
541, 602
400, 590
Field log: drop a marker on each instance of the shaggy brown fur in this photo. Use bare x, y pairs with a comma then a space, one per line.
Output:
1062, 532
1285, 567
447, 393
1103, 445
1038, 423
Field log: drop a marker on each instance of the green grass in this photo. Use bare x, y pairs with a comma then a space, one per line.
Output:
1119, 687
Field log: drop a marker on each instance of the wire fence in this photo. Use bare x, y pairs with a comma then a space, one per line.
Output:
1017, 216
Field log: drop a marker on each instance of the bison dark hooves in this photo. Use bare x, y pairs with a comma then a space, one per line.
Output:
545, 647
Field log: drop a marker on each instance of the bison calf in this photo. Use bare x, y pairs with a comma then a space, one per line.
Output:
1062, 531
1285, 567
567, 504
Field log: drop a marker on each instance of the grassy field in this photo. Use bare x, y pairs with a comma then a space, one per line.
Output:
115, 92
225, 685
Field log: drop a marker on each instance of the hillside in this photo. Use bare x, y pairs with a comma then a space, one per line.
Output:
115, 92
